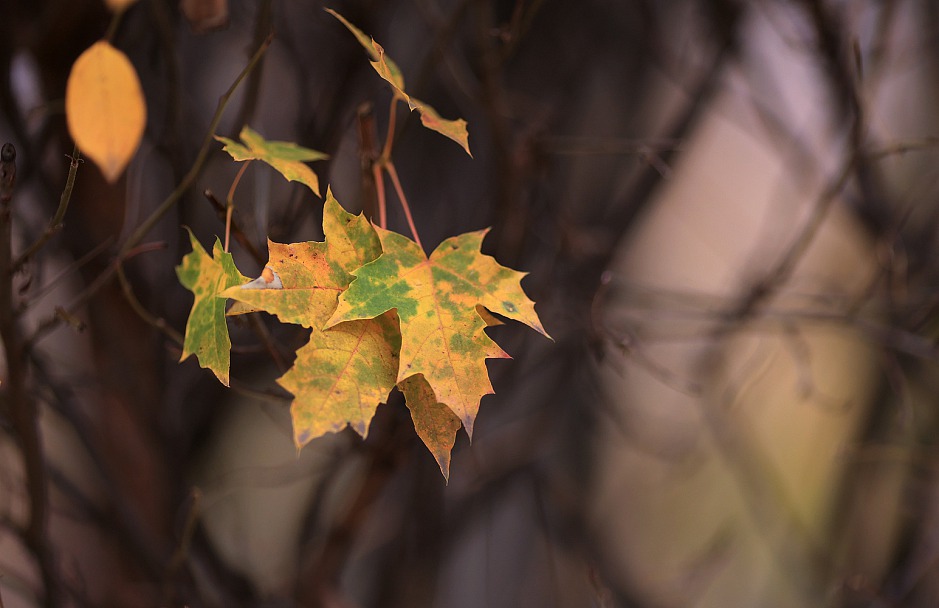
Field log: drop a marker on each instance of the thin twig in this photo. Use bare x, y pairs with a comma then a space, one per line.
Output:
393, 174
55, 224
903, 147
262, 395
236, 229
196, 168
380, 195
390, 135
444, 26
262, 25
142, 312
784, 267
53, 283
230, 201
113, 25
182, 550
260, 330
89, 292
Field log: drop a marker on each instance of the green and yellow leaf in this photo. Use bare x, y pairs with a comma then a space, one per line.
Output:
435, 423
286, 157
307, 284
343, 373
389, 71
206, 330
442, 334
311, 275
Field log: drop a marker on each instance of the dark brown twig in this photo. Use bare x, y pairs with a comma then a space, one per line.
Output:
142, 312
72, 268
263, 24
236, 231
393, 174
182, 553
55, 224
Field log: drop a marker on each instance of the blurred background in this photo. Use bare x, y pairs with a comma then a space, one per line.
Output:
729, 211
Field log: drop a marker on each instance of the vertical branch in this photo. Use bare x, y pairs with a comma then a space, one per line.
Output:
368, 154
23, 414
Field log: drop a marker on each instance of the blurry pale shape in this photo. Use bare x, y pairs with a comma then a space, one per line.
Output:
117, 6
205, 15
105, 108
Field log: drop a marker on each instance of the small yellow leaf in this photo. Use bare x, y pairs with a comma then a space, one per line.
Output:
105, 108
454, 129
391, 73
286, 157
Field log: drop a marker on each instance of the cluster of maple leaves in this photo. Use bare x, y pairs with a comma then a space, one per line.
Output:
381, 313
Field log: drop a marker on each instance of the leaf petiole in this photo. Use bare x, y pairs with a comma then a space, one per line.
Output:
384, 162
380, 194
390, 135
230, 202
393, 174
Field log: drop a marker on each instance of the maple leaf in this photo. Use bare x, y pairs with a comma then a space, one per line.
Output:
343, 373
286, 157
302, 281
435, 423
390, 73
206, 330
442, 334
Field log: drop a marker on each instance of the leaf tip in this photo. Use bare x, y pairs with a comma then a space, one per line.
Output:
445, 470
223, 378
468, 426
301, 437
